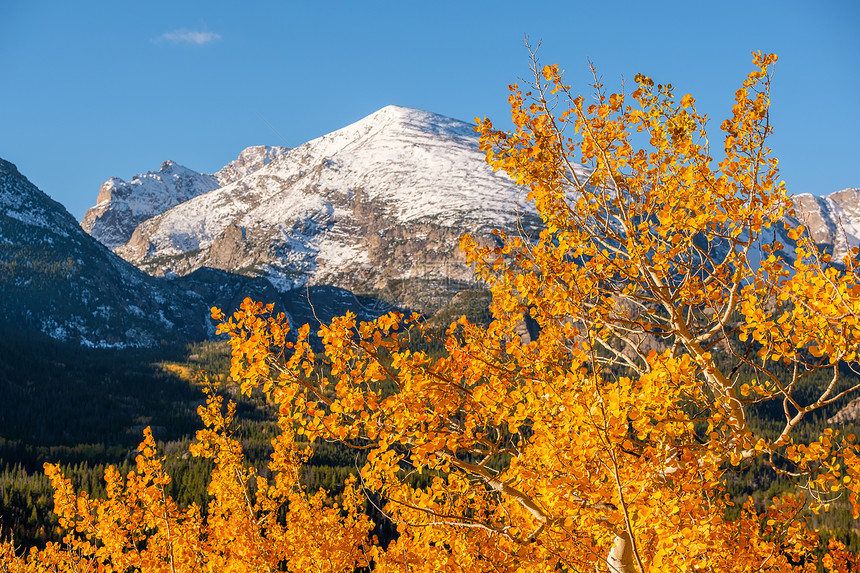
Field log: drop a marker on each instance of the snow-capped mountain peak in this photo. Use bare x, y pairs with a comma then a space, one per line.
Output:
383, 199
122, 205
380, 202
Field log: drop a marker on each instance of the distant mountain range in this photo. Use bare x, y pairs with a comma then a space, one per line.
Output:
365, 217
366, 208
58, 280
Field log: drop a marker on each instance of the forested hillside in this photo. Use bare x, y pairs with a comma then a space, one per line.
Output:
86, 409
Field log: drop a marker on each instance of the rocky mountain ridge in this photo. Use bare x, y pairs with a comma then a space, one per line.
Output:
122, 205
833, 221
57, 279
251, 159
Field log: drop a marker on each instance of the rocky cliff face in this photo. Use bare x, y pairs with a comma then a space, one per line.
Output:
833, 221
376, 207
122, 205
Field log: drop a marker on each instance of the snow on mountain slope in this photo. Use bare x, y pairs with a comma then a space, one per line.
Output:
20, 201
381, 200
57, 279
375, 207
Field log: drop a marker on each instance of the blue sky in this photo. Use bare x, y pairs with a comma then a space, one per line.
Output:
91, 90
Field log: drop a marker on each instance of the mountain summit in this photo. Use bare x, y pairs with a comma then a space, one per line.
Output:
58, 280
376, 207
368, 207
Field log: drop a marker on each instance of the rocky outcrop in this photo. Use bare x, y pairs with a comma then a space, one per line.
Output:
123, 205
250, 160
833, 221
850, 414
228, 250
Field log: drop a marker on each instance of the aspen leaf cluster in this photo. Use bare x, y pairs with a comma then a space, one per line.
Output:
604, 443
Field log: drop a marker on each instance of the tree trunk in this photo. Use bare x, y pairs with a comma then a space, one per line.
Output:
620, 558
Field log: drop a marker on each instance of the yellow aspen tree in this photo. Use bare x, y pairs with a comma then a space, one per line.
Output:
138, 527
667, 311
657, 282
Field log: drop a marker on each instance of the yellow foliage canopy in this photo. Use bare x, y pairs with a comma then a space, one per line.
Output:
603, 444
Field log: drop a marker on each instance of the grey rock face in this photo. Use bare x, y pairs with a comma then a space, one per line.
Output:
228, 248
833, 221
